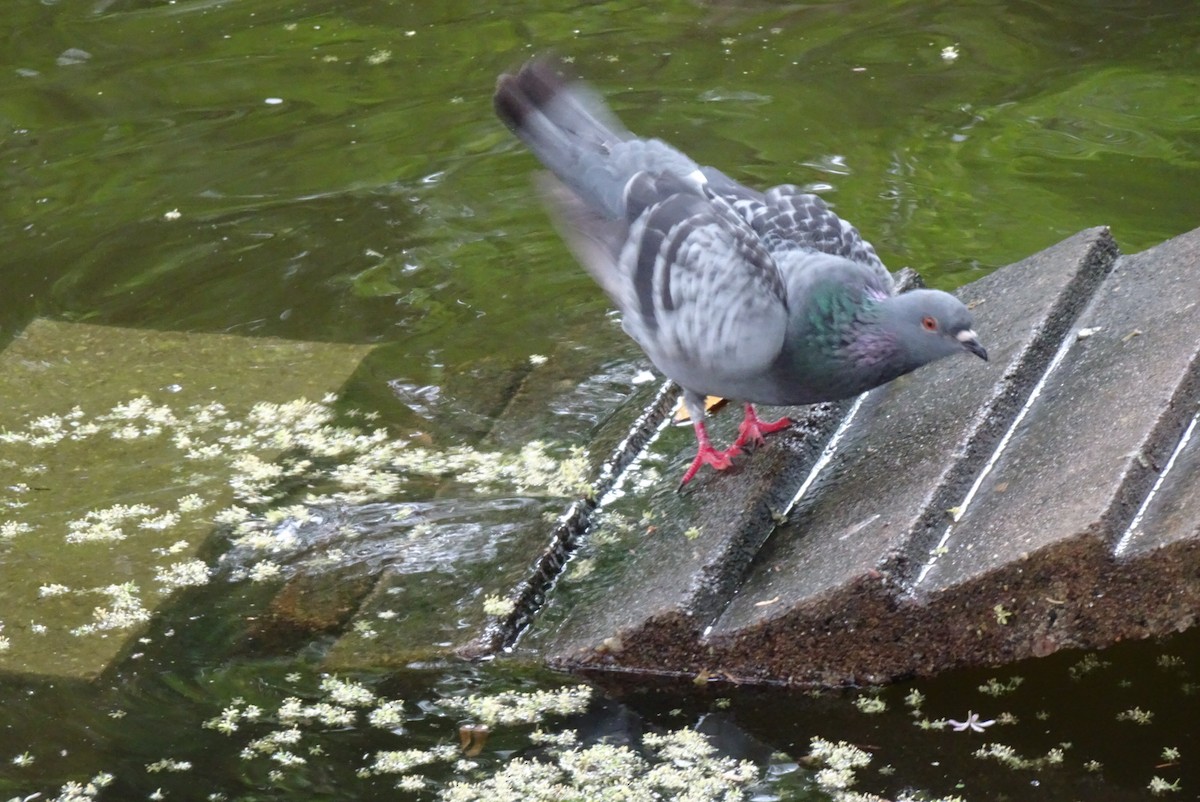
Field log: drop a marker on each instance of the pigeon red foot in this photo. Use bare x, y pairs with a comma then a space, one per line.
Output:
707, 455
754, 430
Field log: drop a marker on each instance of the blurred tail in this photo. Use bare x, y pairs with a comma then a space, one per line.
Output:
573, 134
568, 129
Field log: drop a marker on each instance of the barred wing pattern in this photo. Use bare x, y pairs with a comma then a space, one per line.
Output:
704, 296
786, 218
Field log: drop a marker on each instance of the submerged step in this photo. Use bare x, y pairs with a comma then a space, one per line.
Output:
447, 568
1046, 457
103, 508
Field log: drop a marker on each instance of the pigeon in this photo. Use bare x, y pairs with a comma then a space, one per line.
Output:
759, 297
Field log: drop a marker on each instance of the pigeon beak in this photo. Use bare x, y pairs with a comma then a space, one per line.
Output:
971, 343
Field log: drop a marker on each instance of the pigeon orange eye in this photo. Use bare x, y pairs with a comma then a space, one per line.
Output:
929, 323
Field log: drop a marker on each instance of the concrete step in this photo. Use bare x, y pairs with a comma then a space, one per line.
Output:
70, 606
967, 514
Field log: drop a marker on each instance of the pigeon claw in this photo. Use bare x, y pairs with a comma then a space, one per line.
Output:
707, 455
753, 430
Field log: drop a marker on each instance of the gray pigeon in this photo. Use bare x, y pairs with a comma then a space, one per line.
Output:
763, 297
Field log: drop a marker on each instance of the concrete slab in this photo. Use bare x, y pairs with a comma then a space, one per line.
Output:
918, 443
1171, 511
61, 602
1090, 445
867, 582
1072, 532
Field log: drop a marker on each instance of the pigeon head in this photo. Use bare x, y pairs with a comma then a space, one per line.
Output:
930, 324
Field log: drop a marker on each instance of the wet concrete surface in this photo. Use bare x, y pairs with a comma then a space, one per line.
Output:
968, 515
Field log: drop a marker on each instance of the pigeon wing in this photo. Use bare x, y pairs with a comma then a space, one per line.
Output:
697, 289
789, 219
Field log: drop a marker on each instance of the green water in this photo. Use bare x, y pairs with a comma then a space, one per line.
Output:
332, 171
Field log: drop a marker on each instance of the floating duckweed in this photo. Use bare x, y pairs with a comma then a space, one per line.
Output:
191, 503
411, 782
125, 610
388, 715
272, 742
994, 687
1136, 715
106, 524
496, 606
838, 763
331, 715
227, 722
10, 529
531, 470
78, 792
189, 573
564, 739
677, 765
165, 521
1087, 665
1008, 756
870, 704
363, 629
380, 56
340, 464
681, 765
264, 571
515, 707
400, 761
349, 694
1158, 785
232, 515
287, 758
175, 548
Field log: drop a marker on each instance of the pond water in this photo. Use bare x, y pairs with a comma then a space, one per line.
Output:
332, 172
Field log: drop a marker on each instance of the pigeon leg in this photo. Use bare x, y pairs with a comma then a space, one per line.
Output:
754, 430
707, 455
